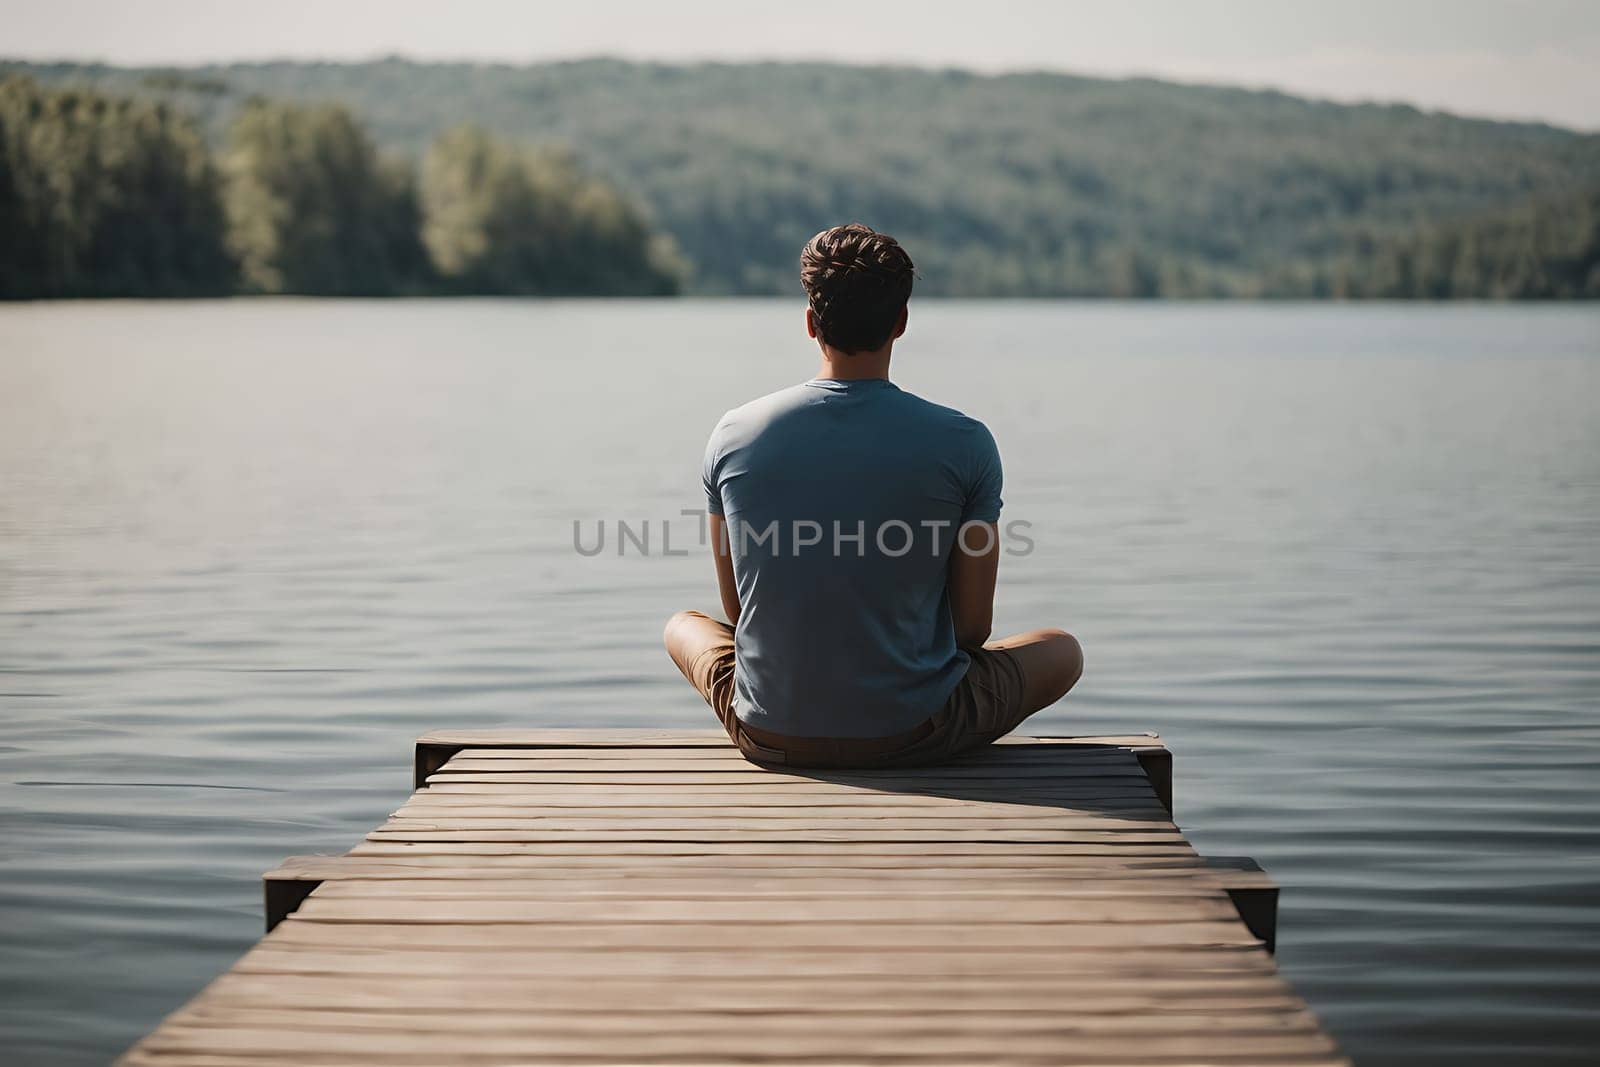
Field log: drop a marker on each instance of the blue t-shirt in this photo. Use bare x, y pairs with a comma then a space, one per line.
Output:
843, 501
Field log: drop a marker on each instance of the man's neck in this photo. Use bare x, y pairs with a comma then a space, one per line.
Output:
855, 366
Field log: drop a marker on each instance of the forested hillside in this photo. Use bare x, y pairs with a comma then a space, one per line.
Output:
1027, 184
1546, 248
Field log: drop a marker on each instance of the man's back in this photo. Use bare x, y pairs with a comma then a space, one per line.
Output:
862, 546
844, 499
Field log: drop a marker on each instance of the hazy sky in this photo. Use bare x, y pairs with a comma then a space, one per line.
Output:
1534, 59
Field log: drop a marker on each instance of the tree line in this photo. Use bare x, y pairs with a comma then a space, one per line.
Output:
110, 195
1026, 184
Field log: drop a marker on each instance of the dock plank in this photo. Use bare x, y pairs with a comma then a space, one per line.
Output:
649, 897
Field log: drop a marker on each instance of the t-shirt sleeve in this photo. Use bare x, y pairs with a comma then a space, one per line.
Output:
708, 473
983, 489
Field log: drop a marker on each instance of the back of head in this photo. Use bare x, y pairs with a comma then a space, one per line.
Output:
857, 280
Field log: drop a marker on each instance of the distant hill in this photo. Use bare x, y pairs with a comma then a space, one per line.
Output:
1017, 185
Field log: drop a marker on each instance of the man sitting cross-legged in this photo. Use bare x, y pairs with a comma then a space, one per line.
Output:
854, 528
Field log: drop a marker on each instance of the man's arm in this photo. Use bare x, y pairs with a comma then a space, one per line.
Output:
727, 589
972, 578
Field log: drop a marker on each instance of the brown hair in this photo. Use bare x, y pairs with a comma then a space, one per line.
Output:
857, 280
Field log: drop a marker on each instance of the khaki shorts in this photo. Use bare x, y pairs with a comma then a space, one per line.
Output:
985, 705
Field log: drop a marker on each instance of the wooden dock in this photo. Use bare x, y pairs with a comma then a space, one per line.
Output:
601, 898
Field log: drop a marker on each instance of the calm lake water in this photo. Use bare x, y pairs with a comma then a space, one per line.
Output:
1343, 558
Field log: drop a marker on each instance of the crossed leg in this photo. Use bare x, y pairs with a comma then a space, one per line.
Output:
702, 648
1051, 661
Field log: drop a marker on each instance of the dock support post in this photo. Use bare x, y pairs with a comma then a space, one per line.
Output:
282, 895
1156, 762
1253, 893
430, 757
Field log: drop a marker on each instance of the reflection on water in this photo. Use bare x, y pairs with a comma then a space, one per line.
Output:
1343, 558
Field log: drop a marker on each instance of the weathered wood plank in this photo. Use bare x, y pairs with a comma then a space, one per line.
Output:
784, 853
757, 834
391, 879
1016, 748
775, 1024
814, 801
913, 908
689, 805
729, 781
797, 995
677, 861
772, 822
441, 931
434, 749
745, 772
625, 737
1066, 1042
1201, 959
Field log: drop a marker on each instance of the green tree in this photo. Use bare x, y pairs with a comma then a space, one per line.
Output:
104, 196
504, 218
312, 207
